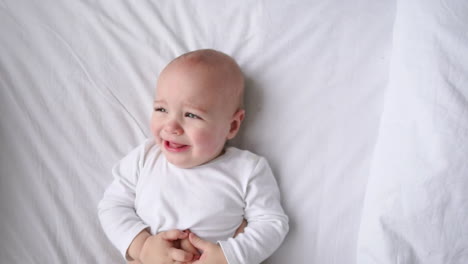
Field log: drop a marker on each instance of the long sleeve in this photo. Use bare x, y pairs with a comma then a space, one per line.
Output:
267, 222
117, 208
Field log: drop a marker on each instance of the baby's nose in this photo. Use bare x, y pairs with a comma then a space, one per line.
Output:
174, 128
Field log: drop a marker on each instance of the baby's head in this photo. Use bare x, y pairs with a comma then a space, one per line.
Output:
198, 107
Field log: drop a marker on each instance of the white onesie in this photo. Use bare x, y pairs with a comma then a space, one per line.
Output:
211, 200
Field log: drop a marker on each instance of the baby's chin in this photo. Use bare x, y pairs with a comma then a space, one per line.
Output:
186, 163
186, 159
181, 162
182, 165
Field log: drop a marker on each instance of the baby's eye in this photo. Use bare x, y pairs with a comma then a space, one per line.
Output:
160, 109
190, 115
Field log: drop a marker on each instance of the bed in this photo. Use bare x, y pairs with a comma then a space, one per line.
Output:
361, 108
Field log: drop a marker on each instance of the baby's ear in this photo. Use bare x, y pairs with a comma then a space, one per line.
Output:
235, 123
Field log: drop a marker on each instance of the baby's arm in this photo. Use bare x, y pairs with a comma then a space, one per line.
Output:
267, 222
135, 247
117, 213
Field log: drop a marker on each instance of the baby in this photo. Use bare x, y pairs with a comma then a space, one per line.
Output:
183, 193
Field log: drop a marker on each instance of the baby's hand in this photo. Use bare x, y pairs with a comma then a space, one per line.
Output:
162, 248
212, 253
185, 245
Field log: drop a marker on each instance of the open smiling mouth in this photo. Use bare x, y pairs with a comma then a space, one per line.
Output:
174, 147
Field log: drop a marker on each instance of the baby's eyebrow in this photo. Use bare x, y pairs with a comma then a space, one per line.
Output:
196, 107
159, 102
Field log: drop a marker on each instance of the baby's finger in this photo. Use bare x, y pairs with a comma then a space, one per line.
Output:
174, 234
180, 255
187, 246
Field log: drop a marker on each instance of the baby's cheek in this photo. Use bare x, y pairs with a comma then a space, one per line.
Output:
155, 130
153, 125
208, 142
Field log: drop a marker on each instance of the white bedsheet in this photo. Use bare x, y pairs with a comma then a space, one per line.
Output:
416, 207
76, 86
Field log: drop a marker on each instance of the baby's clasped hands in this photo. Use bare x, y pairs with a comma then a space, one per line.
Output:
167, 247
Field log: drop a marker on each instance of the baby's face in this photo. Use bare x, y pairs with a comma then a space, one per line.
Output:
192, 116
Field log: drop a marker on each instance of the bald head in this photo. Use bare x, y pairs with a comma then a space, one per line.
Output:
218, 64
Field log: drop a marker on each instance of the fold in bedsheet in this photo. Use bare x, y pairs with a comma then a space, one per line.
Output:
416, 206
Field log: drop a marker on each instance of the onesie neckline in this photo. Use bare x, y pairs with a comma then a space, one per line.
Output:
227, 152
